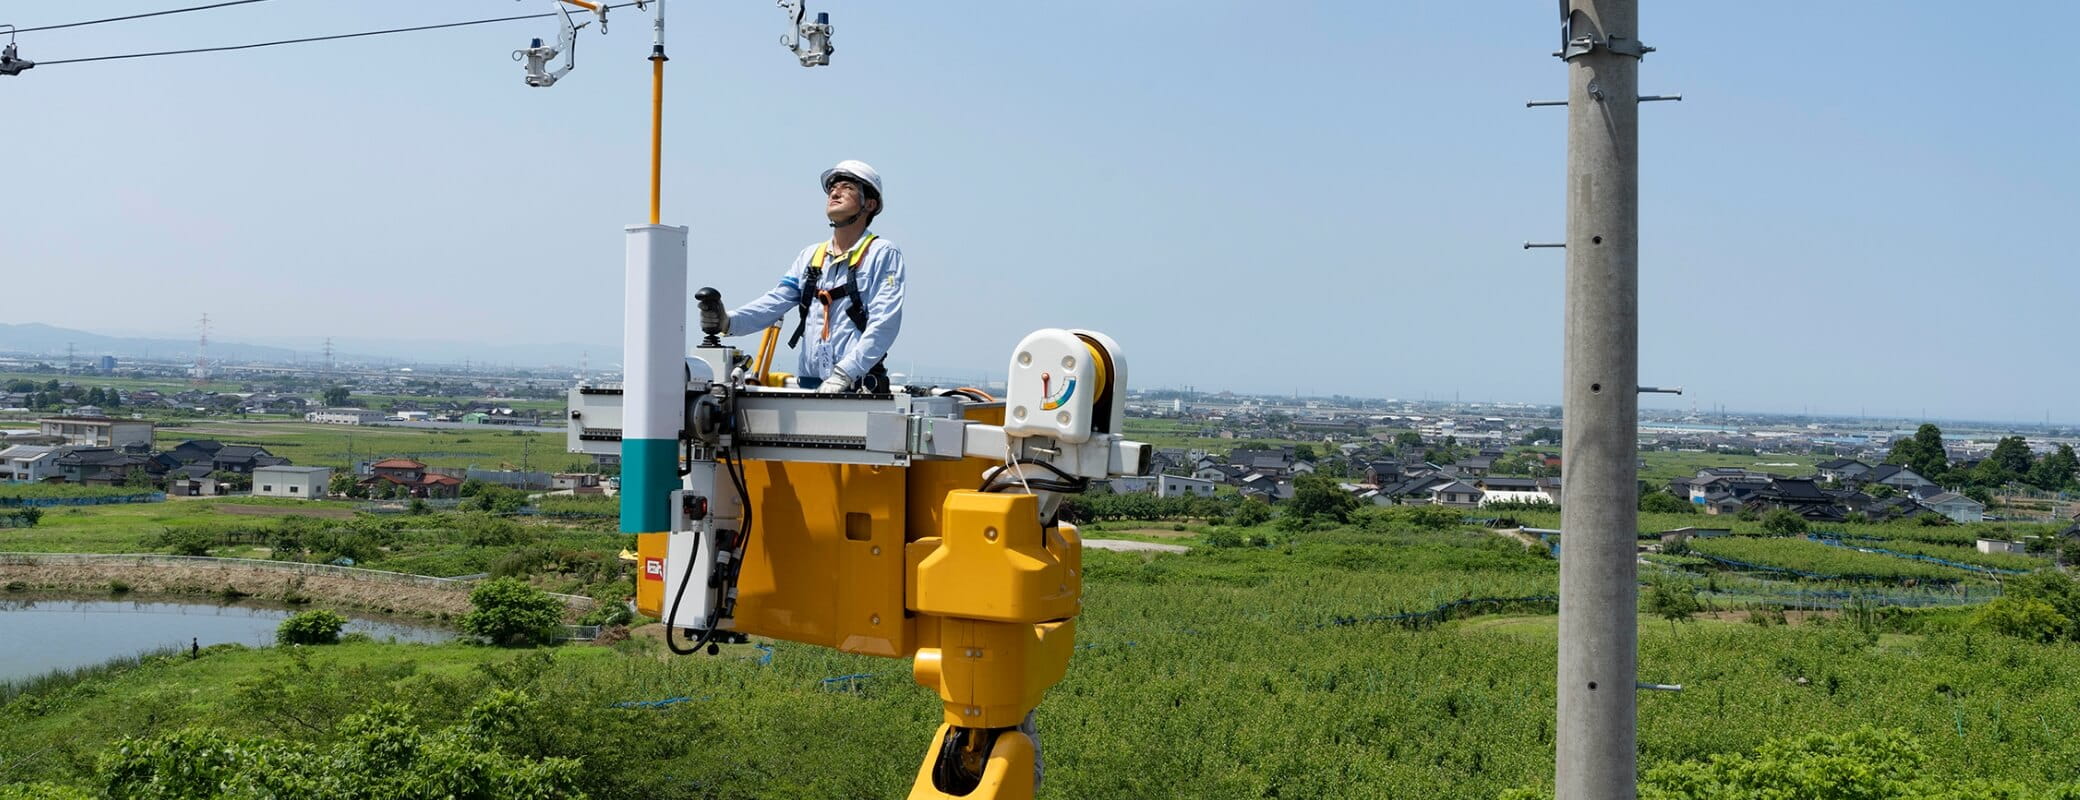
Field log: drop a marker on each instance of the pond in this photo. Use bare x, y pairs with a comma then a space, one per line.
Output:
41, 633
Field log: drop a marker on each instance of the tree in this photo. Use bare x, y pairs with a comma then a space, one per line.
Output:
2055, 471
509, 612
1783, 522
1672, 601
2012, 456
1317, 497
1408, 440
1923, 452
316, 626
1540, 434
1303, 452
342, 483
336, 395
232, 481
137, 478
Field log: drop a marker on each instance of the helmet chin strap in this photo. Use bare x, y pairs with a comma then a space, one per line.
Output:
849, 220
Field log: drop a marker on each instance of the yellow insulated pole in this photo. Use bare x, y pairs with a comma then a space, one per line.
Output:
657, 60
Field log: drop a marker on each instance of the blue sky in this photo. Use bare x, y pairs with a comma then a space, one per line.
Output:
1859, 206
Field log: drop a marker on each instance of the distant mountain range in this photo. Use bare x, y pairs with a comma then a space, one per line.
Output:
38, 339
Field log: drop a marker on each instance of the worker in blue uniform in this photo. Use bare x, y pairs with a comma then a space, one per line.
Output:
848, 290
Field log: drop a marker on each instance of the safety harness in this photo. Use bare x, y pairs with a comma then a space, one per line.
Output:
856, 311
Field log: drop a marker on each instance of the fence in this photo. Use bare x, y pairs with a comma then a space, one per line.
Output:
110, 500
351, 573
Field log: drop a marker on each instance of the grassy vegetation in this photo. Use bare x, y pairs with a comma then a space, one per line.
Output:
1185, 433
1825, 560
311, 444
1662, 466
52, 490
1221, 673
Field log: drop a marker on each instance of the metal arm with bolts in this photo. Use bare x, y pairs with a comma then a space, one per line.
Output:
810, 41
10, 62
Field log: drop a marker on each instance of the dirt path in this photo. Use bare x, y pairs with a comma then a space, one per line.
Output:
1127, 546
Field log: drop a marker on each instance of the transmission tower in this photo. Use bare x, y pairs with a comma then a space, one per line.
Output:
328, 355
70, 366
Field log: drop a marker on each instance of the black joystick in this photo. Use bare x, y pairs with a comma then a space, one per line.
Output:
713, 317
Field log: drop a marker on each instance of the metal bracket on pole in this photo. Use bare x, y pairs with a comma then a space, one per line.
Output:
1659, 687
1529, 245
1660, 390
1652, 98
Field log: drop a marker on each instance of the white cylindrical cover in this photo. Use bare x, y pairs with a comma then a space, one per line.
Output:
653, 339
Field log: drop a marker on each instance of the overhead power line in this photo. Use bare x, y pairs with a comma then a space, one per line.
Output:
139, 16
307, 39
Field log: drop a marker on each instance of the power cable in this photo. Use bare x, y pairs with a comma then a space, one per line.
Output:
139, 16
308, 39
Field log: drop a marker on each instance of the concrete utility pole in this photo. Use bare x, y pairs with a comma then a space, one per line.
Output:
1595, 739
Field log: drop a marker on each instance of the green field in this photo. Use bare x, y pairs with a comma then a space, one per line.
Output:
1663, 466
1218, 674
311, 444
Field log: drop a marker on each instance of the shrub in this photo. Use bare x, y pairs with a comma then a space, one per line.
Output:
1250, 512
118, 587
1665, 503
508, 612
1783, 522
2022, 618
317, 626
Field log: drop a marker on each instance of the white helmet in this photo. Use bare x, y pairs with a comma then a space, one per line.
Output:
857, 170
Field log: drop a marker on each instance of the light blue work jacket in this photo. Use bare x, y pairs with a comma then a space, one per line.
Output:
830, 337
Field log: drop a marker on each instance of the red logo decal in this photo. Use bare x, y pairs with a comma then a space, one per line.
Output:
653, 569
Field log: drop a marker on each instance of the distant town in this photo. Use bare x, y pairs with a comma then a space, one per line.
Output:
105, 421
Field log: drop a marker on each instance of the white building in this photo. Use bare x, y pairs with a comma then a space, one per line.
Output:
1180, 486
99, 431
302, 483
344, 416
28, 463
1998, 546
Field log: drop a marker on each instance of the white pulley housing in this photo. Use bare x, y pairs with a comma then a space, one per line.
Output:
1055, 379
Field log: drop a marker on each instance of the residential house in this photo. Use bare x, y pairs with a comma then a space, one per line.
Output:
1259, 486
1801, 496
1179, 486
1842, 470
302, 483
1275, 463
1382, 472
412, 476
28, 463
99, 466
1956, 506
1218, 473
1896, 507
99, 431
1455, 493
1474, 467
1511, 490
217, 456
1893, 475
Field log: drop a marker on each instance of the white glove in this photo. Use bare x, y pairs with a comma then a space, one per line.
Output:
836, 382
715, 322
